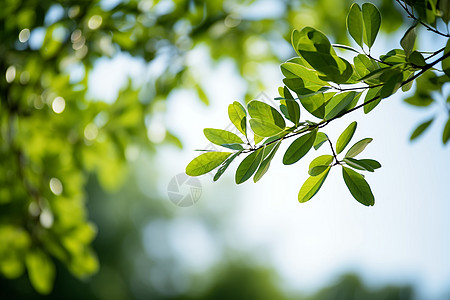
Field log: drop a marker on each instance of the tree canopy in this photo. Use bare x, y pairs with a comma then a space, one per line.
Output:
328, 87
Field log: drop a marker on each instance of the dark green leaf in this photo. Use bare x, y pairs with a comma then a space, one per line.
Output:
266, 161
417, 59
358, 187
446, 62
446, 132
248, 166
320, 139
372, 21
355, 23
312, 186
358, 147
345, 137
419, 99
391, 85
338, 104
373, 93
221, 137
206, 162
234, 146
315, 104
299, 148
444, 7
358, 164
420, 129
371, 162
320, 164
225, 165
408, 40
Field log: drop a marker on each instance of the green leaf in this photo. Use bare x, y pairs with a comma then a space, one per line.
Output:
408, 40
264, 167
299, 148
446, 62
420, 129
312, 186
355, 23
320, 139
309, 78
338, 104
225, 165
233, 146
420, 99
358, 147
41, 271
238, 116
364, 66
316, 49
444, 7
446, 132
290, 107
372, 94
358, 187
262, 111
257, 138
345, 137
345, 47
320, 164
248, 166
358, 164
371, 162
372, 21
417, 59
315, 104
221, 137
206, 162
263, 128
392, 83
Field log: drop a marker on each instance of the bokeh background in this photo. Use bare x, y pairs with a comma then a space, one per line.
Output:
104, 102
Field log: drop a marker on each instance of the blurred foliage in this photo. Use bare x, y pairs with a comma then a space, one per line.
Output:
52, 137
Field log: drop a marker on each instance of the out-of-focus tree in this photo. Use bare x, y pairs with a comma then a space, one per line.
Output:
52, 136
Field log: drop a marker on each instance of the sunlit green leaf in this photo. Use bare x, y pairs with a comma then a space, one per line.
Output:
420, 129
248, 166
41, 270
345, 137
358, 147
371, 162
319, 164
320, 139
206, 162
355, 23
372, 21
358, 187
299, 148
262, 111
358, 164
238, 116
312, 186
220, 137
263, 128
